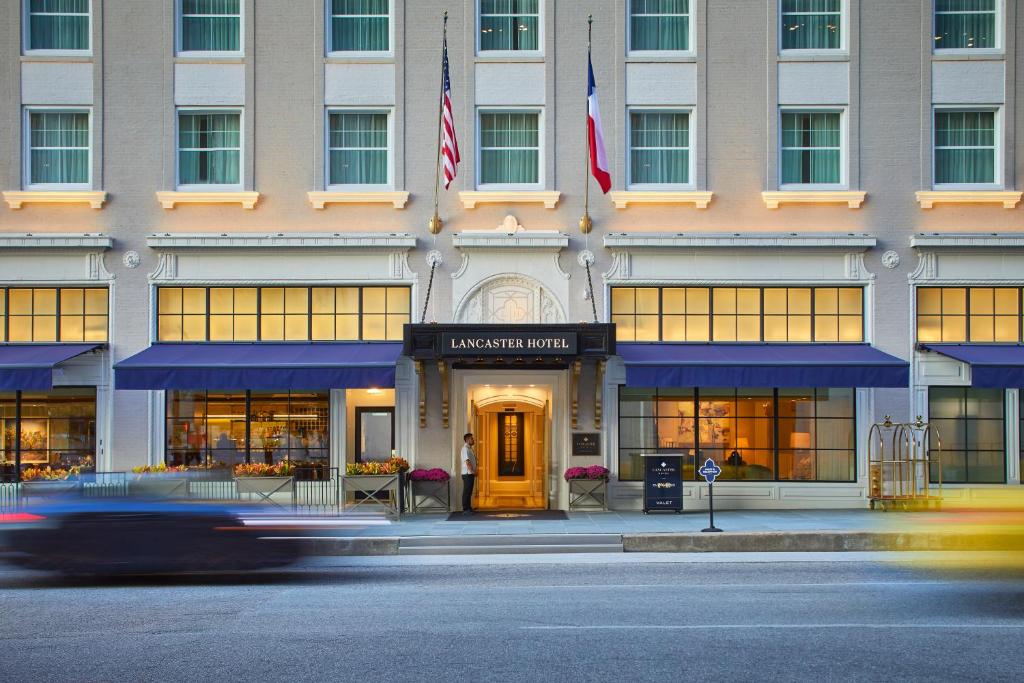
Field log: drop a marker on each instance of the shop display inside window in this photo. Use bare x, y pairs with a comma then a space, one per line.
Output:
57, 429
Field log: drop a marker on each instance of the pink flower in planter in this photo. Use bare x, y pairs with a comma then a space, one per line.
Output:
597, 472
435, 474
576, 473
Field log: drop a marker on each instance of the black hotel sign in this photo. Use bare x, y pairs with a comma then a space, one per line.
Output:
508, 343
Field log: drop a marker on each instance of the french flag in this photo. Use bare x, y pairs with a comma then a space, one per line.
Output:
598, 159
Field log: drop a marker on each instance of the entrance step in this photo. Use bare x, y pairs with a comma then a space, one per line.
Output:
493, 544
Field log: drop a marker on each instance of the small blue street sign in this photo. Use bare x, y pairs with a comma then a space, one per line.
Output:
710, 471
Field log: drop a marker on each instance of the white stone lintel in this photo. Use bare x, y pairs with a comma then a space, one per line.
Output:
962, 240
733, 240
383, 240
55, 240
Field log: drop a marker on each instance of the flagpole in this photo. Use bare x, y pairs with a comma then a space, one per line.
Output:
435, 221
586, 225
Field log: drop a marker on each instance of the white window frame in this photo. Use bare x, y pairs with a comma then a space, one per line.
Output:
1000, 29
179, 32
390, 184
844, 146
539, 185
27, 148
659, 53
998, 175
514, 53
844, 31
26, 35
689, 111
358, 54
235, 187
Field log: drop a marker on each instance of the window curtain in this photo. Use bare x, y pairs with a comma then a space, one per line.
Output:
965, 150
59, 24
659, 145
811, 24
810, 148
962, 24
210, 25
509, 24
209, 149
358, 149
60, 147
359, 26
509, 148
660, 25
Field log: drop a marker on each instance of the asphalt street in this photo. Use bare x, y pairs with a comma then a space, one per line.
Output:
519, 618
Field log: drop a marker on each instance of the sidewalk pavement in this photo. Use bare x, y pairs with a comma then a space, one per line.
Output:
743, 531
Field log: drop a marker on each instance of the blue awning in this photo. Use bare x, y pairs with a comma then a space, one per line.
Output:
996, 366
30, 366
761, 365
261, 366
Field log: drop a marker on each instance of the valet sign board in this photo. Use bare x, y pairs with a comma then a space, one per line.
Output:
508, 343
663, 482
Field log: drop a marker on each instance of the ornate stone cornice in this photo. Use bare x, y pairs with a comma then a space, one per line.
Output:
680, 240
55, 240
375, 240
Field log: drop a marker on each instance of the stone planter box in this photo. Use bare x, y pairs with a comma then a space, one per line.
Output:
49, 489
159, 487
430, 496
588, 494
265, 488
376, 489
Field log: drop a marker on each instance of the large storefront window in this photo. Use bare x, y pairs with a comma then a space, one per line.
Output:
753, 434
227, 428
969, 314
971, 425
282, 313
53, 314
58, 427
738, 314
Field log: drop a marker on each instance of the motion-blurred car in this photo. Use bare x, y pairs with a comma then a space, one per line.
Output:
131, 536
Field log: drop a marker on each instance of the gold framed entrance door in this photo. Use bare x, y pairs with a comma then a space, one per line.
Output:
511, 427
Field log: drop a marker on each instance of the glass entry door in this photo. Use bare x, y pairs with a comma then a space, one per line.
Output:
375, 433
511, 462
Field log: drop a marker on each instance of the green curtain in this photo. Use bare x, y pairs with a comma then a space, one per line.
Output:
359, 26
210, 25
358, 145
509, 148
59, 147
59, 25
660, 25
509, 24
965, 147
659, 148
965, 24
810, 148
209, 148
811, 24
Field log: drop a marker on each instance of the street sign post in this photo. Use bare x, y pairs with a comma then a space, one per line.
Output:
710, 471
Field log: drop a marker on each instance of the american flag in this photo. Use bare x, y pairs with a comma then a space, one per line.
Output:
449, 144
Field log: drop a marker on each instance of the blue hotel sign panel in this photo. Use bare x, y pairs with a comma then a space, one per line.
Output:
663, 482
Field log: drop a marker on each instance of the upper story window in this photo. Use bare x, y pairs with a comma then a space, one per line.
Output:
358, 149
282, 313
812, 25
738, 314
510, 153
210, 26
659, 25
58, 149
209, 149
966, 24
360, 26
965, 147
969, 314
509, 25
659, 148
58, 25
812, 148
53, 314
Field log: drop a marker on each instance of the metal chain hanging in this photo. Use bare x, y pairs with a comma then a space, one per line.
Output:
590, 289
430, 287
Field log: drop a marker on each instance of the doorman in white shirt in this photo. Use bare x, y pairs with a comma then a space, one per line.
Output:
467, 459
